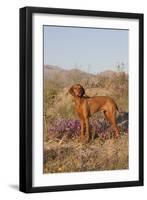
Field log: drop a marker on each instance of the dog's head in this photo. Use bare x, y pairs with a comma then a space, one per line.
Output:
77, 90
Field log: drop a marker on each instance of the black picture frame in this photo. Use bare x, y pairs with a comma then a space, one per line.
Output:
26, 97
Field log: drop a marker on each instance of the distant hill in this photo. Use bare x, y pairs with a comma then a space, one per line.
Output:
62, 78
65, 77
107, 73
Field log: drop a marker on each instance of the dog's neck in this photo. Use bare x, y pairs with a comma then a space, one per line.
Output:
77, 99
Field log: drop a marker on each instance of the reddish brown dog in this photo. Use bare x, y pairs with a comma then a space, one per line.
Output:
86, 106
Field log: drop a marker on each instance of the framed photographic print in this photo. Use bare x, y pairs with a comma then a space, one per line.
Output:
81, 99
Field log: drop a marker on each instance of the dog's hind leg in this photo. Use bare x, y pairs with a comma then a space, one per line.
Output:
111, 117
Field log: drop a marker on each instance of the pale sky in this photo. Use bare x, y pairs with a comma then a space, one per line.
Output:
88, 49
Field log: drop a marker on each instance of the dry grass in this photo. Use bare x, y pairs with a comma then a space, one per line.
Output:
98, 155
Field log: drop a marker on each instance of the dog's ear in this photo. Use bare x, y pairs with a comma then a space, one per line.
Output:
71, 91
83, 91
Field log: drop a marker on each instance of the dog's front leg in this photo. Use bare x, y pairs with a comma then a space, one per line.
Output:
82, 130
87, 130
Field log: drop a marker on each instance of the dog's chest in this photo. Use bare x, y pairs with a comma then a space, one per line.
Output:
82, 109
78, 108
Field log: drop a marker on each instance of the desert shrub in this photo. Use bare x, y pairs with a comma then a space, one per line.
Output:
49, 95
64, 106
117, 84
48, 100
70, 128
